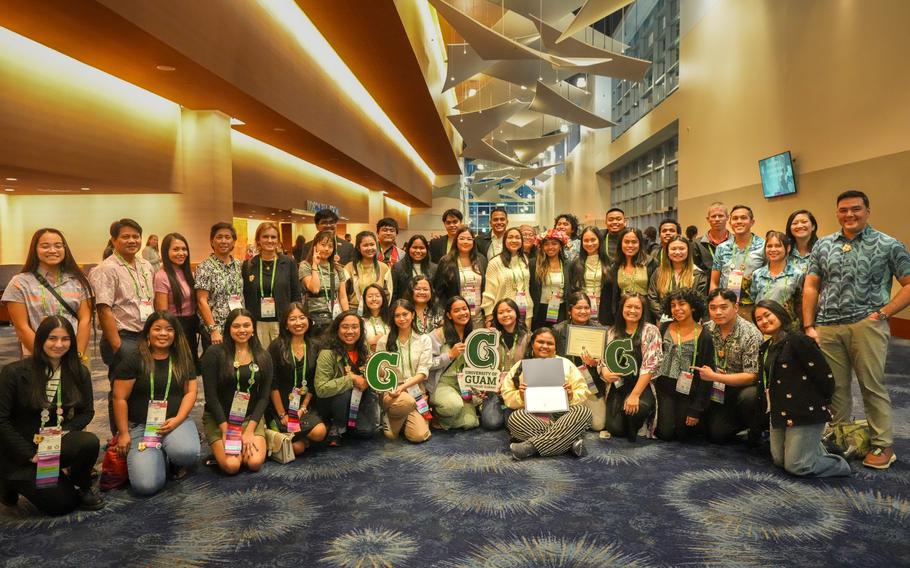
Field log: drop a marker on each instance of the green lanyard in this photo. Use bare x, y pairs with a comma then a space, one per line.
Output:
170, 374
516, 279
406, 350
227, 273
253, 368
61, 311
325, 291
764, 368
372, 321
745, 252
694, 347
299, 380
593, 272
46, 414
136, 282
274, 272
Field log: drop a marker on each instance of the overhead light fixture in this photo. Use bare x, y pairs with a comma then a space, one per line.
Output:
564, 128
236, 122
472, 91
480, 167
12, 179
165, 68
524, 87
278, 129
9, 189
581, 82
85, 188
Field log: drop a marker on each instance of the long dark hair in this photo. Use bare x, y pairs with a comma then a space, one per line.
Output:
68, 265
391, 342
230, 349
520, 327
447, 271
170, 269
506, 254
409, 262
448, 326
284, 334
786, 320
358, 256
573, 298
338, 347
619, 258
322, 236
812, 238
179, 351
70, 367
619, 325
578, 276
383, 308
409, 294
529, 352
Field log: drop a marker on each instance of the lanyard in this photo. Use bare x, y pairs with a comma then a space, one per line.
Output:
550, 274
372, 321
592, 271
61, 311
508, 362
463, 272
170, 373
253, 368
694, 347
407, 349
516, 279
629, 281
325, 289
139, 274
745, 252
45, 414
298, 380
274, 272
422, 321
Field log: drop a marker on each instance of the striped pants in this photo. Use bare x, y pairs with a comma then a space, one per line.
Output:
554, 437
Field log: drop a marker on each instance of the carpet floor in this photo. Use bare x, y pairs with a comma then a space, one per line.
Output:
459, 500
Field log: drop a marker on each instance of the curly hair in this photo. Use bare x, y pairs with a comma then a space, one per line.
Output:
689, 296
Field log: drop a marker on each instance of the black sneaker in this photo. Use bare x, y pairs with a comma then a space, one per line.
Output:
579, 449
522, 450
90, 499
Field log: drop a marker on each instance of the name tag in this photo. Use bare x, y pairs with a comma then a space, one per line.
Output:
521, 300
154, 418
267, 308
336, 309
48, 471
619, 382
471, 295
718, 390
553, 308
239, 406
583, 369
684, 382
595, 302
145, 309
294, 411
356, 397
735, 282
232, 441
235, 302
422, 406
466, 394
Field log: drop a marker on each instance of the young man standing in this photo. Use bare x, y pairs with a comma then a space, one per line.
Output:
490, 244
327, 220
733, 390
387, 232
717, 235
846, 305
616, 222
439, 246
737, 258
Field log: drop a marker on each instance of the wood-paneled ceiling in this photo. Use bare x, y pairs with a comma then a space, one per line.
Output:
368, 36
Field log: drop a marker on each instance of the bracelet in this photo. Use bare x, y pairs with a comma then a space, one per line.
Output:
283, 416
805, 327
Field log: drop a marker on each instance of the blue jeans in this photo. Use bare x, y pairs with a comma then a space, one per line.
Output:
148, 468
799, 450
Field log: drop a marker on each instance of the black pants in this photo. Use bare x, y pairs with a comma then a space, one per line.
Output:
190, 326
128, 345
672, 410
335, 411
618, 422
79, 452
723, 421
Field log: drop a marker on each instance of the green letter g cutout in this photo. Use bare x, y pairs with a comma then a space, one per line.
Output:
619, 357
380, 372
481, 349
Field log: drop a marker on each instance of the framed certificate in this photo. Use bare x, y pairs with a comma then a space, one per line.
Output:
586, 339
544, 379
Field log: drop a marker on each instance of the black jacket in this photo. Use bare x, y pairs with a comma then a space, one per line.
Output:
283, 374
287, 285
799, 380
606, 310
402, 273
535, 287
447, 286
19, 422
438, 248
700, 395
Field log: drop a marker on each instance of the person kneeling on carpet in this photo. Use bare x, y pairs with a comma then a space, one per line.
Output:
550, 434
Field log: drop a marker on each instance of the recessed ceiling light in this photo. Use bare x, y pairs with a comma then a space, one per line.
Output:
85, 188
279, 129
12, 179
9, 189
165, 68
472, 91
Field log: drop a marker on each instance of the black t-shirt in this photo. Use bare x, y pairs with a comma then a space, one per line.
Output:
138, 402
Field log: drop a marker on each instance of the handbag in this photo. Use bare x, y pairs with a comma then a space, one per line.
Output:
56, 294
852, 440
279, 446
114, 474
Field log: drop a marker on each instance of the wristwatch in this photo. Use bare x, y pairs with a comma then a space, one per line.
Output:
882, 316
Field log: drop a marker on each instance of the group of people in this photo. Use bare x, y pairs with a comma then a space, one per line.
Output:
731, 334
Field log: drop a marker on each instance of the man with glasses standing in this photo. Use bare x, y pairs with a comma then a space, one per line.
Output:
846, 305
327, 220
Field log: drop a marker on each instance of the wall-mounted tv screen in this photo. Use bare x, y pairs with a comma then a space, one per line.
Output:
777, 175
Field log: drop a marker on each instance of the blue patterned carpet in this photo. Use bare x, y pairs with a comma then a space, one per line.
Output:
460, 501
